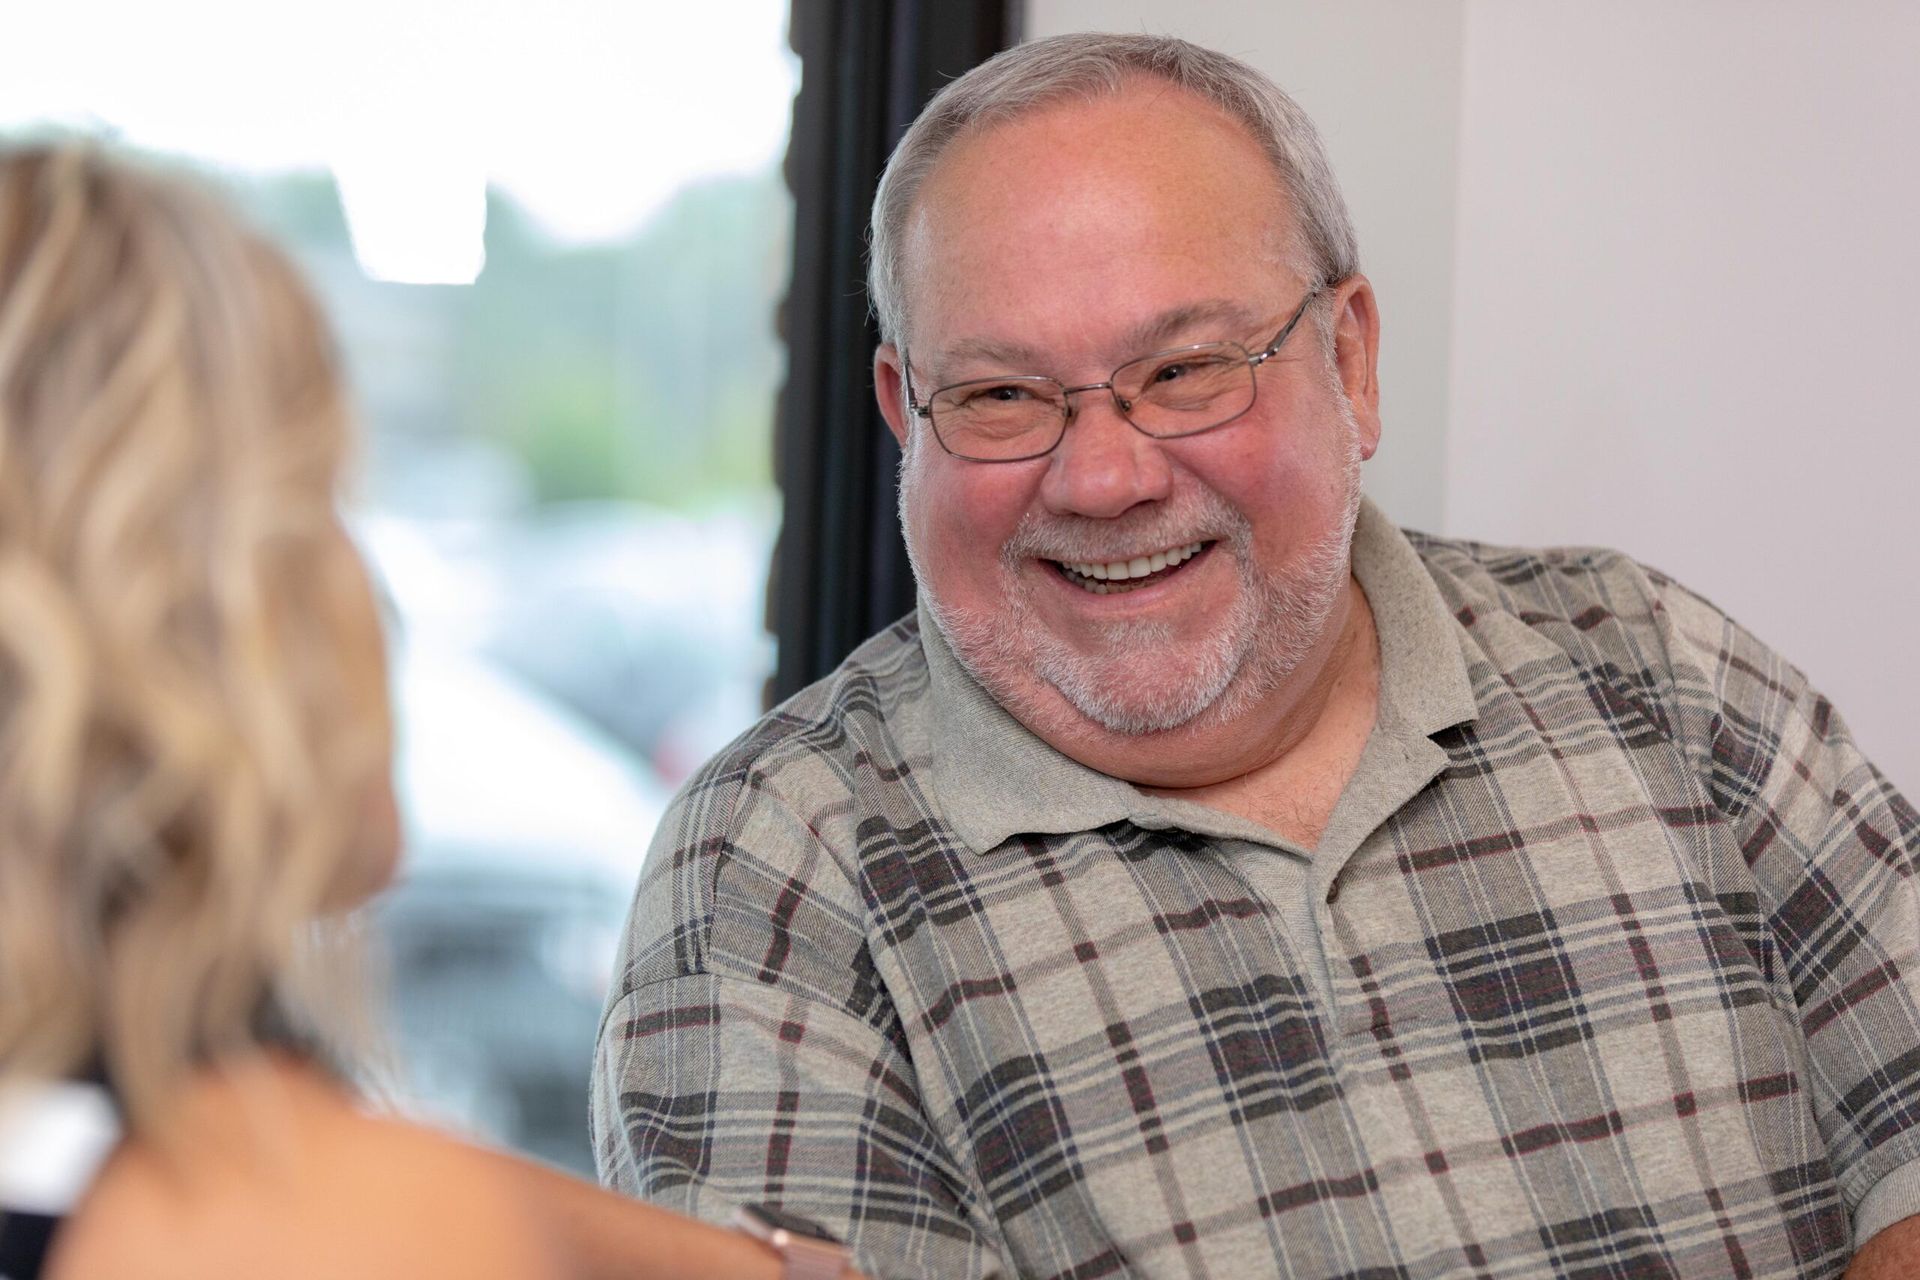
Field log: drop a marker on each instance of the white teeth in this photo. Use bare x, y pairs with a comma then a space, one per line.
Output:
1137, 567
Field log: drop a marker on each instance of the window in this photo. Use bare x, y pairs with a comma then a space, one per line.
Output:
552, 238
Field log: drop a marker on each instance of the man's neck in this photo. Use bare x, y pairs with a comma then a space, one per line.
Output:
1285, 754
1294, 790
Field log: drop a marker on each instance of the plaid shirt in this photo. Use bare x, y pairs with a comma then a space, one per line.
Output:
1606, 965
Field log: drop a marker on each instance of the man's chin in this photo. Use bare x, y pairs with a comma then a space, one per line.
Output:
1138, 695
1129, 685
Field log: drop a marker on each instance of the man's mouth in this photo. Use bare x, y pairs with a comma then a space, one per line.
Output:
1107, 577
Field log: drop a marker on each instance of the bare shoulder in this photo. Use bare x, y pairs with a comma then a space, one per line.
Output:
283, 1175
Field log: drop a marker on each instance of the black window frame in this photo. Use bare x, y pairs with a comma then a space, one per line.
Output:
840, 572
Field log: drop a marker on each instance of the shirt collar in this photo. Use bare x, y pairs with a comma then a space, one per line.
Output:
995, 779
1424, 682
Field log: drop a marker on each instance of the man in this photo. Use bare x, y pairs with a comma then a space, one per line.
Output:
1212, 879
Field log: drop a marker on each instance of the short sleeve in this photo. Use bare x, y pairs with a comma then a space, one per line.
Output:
710, 1092
750, 1052
1833, 848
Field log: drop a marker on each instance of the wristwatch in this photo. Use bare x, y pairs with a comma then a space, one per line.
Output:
807, 1250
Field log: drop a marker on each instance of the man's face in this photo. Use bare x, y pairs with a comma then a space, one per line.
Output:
1067, 243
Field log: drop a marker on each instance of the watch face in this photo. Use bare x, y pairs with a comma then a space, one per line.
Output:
780, 1220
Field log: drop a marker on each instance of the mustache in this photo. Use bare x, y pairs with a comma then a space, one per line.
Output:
1199, 516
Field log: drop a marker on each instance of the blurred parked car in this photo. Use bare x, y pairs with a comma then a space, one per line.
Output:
526, 829
648, 623
556, 673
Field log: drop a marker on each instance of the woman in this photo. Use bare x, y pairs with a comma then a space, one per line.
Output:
195, 768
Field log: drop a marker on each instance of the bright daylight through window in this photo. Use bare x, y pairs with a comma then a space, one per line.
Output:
552, 238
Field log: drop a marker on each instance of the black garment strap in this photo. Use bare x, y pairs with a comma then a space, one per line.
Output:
25, 1240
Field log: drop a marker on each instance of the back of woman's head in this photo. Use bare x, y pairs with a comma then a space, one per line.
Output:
192, 719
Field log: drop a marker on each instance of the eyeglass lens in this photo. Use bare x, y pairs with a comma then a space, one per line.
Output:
1167, 394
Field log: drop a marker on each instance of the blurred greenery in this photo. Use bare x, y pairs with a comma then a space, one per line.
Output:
644, 368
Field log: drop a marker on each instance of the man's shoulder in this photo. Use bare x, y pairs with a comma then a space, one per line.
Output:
1531, 581
776, 812
1595, 603
856, 713
785, 789
1619, 622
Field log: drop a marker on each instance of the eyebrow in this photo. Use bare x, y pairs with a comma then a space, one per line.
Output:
1161, 330
1227, 319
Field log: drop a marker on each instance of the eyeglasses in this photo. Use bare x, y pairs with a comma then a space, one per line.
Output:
1179, 392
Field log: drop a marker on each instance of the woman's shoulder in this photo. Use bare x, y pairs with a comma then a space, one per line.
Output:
278, 1172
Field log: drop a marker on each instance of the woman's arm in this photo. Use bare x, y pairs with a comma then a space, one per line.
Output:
604, 1236
283, 1175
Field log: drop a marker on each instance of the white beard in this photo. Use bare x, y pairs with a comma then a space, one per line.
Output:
1137, 681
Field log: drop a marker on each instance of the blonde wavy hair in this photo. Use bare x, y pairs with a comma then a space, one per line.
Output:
193, 720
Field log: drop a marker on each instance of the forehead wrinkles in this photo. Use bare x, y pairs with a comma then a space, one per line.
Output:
1271, 277
1207, 320
1055, 197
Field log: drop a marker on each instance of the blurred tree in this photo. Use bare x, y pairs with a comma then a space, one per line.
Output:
640, 369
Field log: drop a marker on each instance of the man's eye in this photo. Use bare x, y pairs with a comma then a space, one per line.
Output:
1194, 368
1003, 393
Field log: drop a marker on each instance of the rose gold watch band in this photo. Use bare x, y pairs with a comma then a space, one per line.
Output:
806, 1259
806, 1251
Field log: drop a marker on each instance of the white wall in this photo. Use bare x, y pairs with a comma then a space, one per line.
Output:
1650, 276
1686, 289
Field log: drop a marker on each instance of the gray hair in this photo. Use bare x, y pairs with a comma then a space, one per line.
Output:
1096, 64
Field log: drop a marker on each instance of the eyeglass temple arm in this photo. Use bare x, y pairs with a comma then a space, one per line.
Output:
913, 403
1286, 330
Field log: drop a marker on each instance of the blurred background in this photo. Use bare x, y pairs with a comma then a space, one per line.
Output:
552, 238
1647, 271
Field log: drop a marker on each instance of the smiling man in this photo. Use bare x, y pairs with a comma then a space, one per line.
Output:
1213, 879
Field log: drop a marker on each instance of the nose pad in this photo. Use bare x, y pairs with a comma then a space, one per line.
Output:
1121, 404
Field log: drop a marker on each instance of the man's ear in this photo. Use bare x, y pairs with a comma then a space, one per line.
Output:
1356, 354
888, 389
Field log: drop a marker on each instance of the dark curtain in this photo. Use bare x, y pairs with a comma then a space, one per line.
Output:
866, 67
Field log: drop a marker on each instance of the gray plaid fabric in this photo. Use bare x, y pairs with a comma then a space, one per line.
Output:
1606, 966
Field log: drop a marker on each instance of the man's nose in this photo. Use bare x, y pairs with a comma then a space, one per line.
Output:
1104, 466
